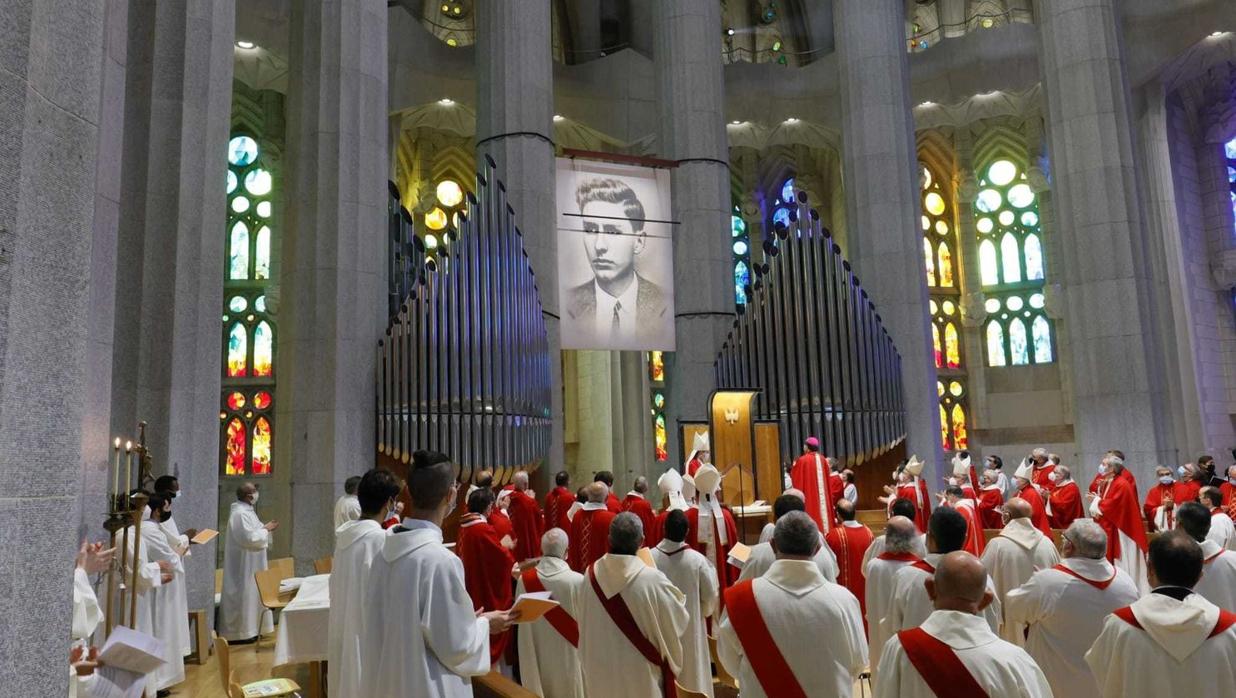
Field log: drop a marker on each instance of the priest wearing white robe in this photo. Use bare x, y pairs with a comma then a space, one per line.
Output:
1222, 530
918, 545
241, 615
762, 556
881, 575
357, 543
1218, 582
630, 615
696, 578
169, 487
548, 648
420, 635
92, 559
954, 652
790, 603
169, 602
347, 507
911, 604
1171, 642
1013, 556
1064, 608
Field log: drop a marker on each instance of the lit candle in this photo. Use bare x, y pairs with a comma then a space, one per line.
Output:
128, 473
116, 467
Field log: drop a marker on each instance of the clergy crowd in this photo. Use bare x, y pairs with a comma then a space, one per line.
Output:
986, 583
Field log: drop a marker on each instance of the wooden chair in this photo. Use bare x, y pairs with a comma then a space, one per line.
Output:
323, 565
495, 685
723, 676
232, 689
285, 565
268, 588
686, 692
218, 586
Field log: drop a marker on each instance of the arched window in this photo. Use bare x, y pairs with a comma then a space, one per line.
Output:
656, 377
939, 229
1229, 150
1012, 266
740, 248
246, 416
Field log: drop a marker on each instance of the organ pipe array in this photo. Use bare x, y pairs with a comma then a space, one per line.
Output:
464, 366
810, 339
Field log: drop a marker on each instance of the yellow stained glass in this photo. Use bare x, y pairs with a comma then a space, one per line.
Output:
952, 346
656, 366
261, 447
934, 203
435, 219
929, 262
961, 439
449, 193
943, 428
237, 351
935, 342
946, 266
234, 456
263, 349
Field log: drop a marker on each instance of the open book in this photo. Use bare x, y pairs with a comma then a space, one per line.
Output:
204, 536
533, 605
738, 555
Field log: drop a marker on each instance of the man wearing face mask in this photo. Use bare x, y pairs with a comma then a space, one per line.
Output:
241, 616
1190, 478
1115, 508
990, 498
1064, 505
995, 464
1161, 500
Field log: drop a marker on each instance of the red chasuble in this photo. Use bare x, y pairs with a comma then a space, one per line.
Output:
589, 537
1124, 475
975, 540
613, 504
501, 523
849, 544
693, 466
640, 507
1041, 477
1121, 514
1154, 500
526, 521
989, 498
917, 493
557, 503
810, 475
1066, 505
1038, 511
487, 572
1229, 501
726, 575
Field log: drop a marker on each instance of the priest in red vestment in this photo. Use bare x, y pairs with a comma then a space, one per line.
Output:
558, 502
990, 499
810, 474
711, 528
525, 518
1116, 509
964, 475
1125, 474
611, 500
487, 564
637, 503
849, 541
700, 454
1228, 490
590, 529
1026, 490
1064, 504
1159, 507
1043, 468
953, 497
911, 486
670, 483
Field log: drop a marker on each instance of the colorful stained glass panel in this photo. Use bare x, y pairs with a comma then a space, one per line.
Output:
261, 400
263, 349
237, 351
261, 447
234, 448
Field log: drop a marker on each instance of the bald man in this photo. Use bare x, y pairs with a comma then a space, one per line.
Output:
880, 573
548, 652
637, 503
1013, 556
241, 615
954, 652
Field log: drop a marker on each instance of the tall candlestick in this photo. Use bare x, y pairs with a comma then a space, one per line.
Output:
128, 474
115, 469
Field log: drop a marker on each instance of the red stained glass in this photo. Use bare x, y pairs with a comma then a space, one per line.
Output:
261, 447
235, 401
235, 459
656, 366
261, 400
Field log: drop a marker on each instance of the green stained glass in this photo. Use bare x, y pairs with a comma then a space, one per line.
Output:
988, 201
261, 257
240, 204
263, 209
1020, 195
237, 304
259, 304
1001, 172
1034, 258
242, 150
238, 252
231, 181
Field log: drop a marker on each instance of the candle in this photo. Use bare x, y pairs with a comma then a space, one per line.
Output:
116, 467
128, 473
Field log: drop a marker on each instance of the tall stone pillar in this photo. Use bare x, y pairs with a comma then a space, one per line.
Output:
691, 96
334, 278
1117, 374
50, 57
880, 170
169, 271
514, 126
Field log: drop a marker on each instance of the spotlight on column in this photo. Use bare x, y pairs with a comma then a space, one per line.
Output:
246, 45
446, 101
559, 117
729, 31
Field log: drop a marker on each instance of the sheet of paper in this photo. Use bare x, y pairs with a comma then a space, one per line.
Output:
290, 584
533, 605
646, 555
114, 682
739, 554
269, 687
204, 536
132, 651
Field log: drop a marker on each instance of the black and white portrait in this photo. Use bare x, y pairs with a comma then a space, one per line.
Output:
615, 256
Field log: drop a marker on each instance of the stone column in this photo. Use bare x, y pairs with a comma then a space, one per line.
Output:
1117, 374
514, 126
50, 58
880, 169
332, 310
691, 96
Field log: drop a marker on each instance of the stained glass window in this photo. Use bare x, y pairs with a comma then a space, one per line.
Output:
939, 230
740, 248
656, 375
1011, 266
246, 419
1229, 150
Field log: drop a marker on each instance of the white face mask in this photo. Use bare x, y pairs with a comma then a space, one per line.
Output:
1232, 480
953, 482
1181, 471
255, 497
175, 494
1166, 480
1102, 468
1053, 477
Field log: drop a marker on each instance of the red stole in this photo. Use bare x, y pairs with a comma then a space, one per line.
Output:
558, 618
988, 500
900, 557
917, 493
526, 521
1225, 621
1066, 505
1040, 477
1097, 585
975, 540
1121, 515
618, 612
923, 565
939, 666
767, 662
1038, 513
